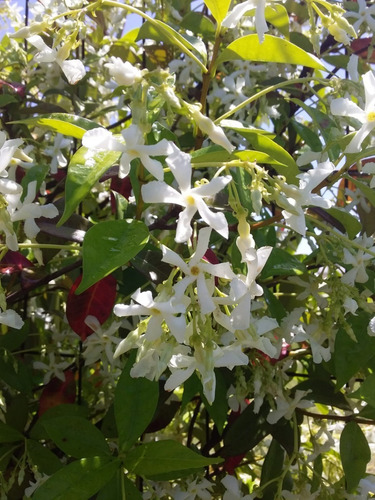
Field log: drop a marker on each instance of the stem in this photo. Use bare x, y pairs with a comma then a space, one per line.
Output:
342, 418
266, 91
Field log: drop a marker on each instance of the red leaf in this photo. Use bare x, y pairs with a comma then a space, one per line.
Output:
98, 301
360, 47
14, 262
57, 392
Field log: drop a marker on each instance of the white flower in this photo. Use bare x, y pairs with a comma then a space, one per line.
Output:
197, 488
190, 198
364, 15
207, 126
285, 408
233, 487
124, 73
73, 69
350, 305
29, 211
134, 147
58, 159
346, 107
53, 368
302, 196
196, 269
240, 10
7, 150
159, 310
205, 359
99, 346
11, 318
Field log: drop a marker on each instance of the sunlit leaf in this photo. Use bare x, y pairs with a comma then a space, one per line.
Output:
272, 49
219, 8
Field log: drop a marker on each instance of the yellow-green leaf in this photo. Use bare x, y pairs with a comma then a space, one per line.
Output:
273, 49
219, 8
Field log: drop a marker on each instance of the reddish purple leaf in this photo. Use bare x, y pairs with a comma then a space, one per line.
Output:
58, 392
14, 262
98, 301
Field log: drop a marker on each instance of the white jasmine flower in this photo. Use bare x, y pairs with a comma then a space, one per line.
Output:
302, 196
304, 493
192, 199
52, 367
162, 309
233, 489
196, 269
73, 69
235, 15
124, 73
99, 346
285, 408
364, 15
8, 149
29, 211
58, 158
350, 306
11, 318
134, 147
197, 488
205, 359
346, 107
207, 126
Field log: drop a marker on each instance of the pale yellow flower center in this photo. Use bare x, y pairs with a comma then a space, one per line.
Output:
190, 200
194, 270
371, 116
155, 311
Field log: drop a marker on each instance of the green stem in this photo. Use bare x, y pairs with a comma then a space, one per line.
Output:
50, 246
266, 91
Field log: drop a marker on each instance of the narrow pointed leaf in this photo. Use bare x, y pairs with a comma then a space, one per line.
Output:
78, 480
109, 245
355, 454
219, 8
63, 123
166, 459
97, 300
273, 49
134, 396
84, 170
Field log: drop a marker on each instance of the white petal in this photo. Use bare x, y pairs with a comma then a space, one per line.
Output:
184, 230
235, 15
180, 166
215, 220
369, 84
204, 297
213, 187
346, 107
11, 318
160, 192
73, 69
355, 144
101, 138
153, 166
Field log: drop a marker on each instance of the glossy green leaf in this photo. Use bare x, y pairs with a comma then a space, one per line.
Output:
278, 16
282, 162
257, 157
77, 437
84, 170
197, 22
64, 410
211, 154
366, 392
282, 263
355, 454
135, 403
271, 469
9, 434
365, 188
109, 245
272, 49
63, 123
219, 8
43, 458
161, 32
310, 137
349, 356
165, 459
116, 488
78, 480
351, 224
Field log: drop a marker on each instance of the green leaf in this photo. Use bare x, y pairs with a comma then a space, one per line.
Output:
349, 356
282, 263
84, 170
161, 32
211, 154
43, 458
271, 469
78, 480
6, 99
165, 459
135, 403
63, 123
77, 437
351, 224
365, 188
282, 162
219, 8
272, 49
310, 137
278, 16
366, 392
257, 156
117, 486
109, 245
198, 23
63, 410
355, 454
36, 173
9, 434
